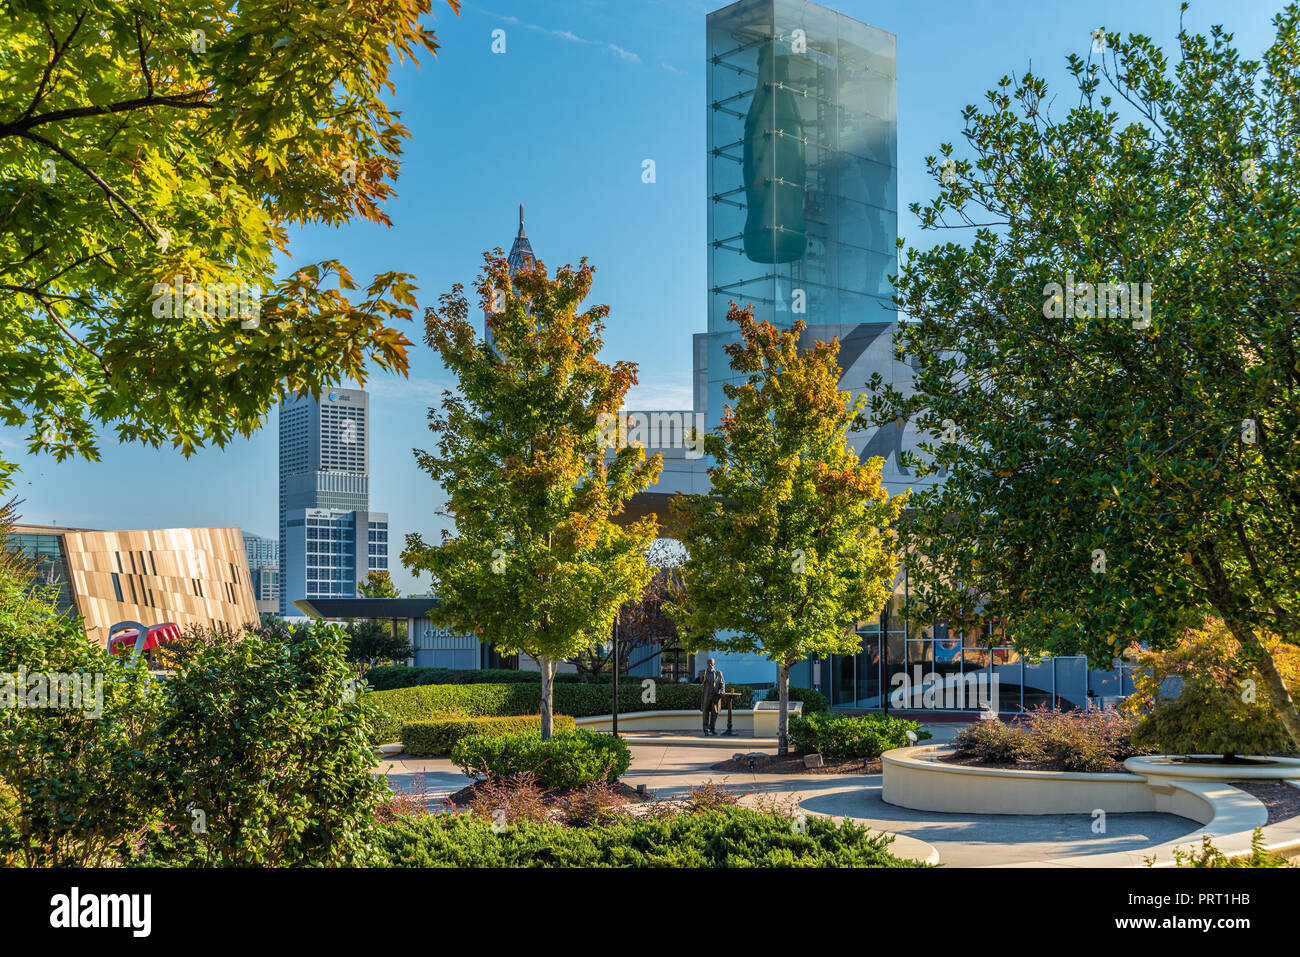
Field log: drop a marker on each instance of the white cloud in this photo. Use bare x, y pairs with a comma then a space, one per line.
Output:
569, 35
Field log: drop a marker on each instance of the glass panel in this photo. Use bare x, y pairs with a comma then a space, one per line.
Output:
1071, 682
1007, 670
868, 674
1037, 682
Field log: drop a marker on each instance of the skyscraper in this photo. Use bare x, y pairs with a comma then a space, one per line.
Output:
264, 567
329, 538
521, 255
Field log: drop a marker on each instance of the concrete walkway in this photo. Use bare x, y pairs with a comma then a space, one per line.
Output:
670, 770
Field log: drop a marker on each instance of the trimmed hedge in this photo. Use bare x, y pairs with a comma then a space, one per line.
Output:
814, 702
388, 677
847, 736
728, 837
400, 706
570, 759
437, 736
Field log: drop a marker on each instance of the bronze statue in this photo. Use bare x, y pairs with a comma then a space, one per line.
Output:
711, 697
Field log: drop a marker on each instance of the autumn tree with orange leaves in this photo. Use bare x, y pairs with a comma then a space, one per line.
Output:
792, 549
537, 564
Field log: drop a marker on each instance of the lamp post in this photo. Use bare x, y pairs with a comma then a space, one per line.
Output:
614, 683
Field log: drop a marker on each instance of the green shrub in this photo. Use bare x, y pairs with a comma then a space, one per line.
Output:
1072, 740
814, 702
399, 706
82, 780
727, 837
1211, 856
10, 825
847, 736
992, 742
570, 759
258, 737
387, 677
437, 736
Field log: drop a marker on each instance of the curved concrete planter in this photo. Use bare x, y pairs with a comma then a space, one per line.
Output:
1170, 766
915, 778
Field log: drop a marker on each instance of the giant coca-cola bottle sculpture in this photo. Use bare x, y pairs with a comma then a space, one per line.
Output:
775, 166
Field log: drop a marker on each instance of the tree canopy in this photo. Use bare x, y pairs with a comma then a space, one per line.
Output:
1107, 354
153, 158
792, 549
537, 565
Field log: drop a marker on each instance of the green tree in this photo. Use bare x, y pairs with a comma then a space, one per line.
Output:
537, 565
1120, 457
378, 585
375, 641
792, 548
154, 157
1221, 705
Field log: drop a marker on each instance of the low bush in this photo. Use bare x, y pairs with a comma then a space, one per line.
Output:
992, 742
399, 706
1082, 740
846, 736
1068, 740
569, 759
437, 736
596, 803
10, 809
387, 677
1211, 856
814, 702
727, 837
513, 800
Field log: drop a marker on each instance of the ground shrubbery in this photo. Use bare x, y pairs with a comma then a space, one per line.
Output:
401, 706
846, 736
437, 736
1065, 740
570, 759
1210, 856
248, 755
9, 824
814, 702
258, 737
726, 837
387, 677
992, 742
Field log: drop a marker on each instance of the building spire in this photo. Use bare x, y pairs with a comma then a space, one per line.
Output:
521, 253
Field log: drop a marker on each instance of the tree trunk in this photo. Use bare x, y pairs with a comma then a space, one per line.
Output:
548, 672
1278, 692
783, 709
1225, 603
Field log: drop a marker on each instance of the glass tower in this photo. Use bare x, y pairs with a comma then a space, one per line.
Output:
328, 535
802, 171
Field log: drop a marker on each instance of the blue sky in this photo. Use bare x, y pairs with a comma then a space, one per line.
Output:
586, 90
